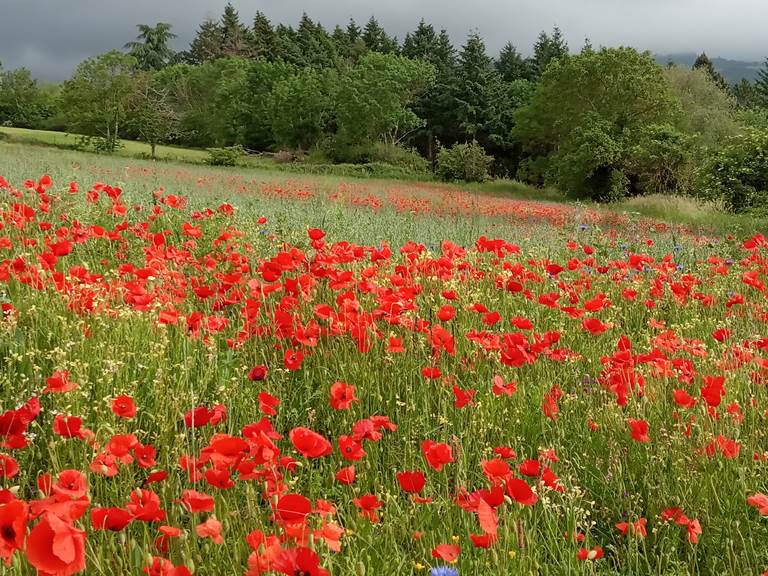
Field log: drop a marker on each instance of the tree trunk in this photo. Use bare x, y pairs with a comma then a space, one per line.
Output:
154, 146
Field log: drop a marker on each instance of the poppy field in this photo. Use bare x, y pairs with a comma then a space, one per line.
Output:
206, 372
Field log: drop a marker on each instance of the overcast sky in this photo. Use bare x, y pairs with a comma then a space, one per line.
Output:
52, 36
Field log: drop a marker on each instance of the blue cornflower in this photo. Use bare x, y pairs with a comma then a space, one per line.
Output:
443, 571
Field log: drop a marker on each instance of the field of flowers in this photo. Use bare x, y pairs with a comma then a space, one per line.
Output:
207, 372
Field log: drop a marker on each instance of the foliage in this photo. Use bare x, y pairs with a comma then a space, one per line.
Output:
151, 49
589, 116
704, 64
737, 174
151, 114
23, 102
95, 101
708, 112
373, 99
302, 107
465, 162
227, 156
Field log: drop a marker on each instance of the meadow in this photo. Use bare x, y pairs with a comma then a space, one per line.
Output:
229, 371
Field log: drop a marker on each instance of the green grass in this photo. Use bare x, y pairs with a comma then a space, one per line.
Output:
129, 148
96, 312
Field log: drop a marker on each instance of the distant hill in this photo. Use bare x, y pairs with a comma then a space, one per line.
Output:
733, 70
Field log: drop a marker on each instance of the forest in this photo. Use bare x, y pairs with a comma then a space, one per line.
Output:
602, 123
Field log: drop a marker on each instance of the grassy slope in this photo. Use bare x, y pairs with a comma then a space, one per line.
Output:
668, 209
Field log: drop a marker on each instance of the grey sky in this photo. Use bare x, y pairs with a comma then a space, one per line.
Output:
52, 36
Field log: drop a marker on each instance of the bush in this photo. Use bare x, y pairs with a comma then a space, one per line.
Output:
467, 162
737, 174
229, 156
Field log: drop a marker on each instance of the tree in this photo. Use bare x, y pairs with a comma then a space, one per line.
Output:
315, 44
376, 38
151, 49
206, 45
704, 63
435, 106
474, 73
511, 65
548, 49
235, 37
707, 110
262, 38
287, 46
761, 86
374, 97
587, 117
151, 113
94, 101
22, 102
738, 173
745, 94
302, 106
257, 121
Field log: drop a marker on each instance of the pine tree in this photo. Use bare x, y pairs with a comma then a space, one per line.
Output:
421, 43
287, 46
547, 49
151, 48
235, 37
704, 63
474, 73
745, 94
510, 64
761, 86
315, 44
262, 38
376, 39
207, 44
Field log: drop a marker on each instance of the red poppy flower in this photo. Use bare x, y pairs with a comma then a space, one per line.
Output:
590, 553
342, 396
123, 407
639, 430
59, 382
368, 504
163, 567
292, 508
211, 528
350, 448
196, 502
436, 454
446, 313
530, 468
759, 501
446, 552
519, 491
346, 475
258, 373
309, 443
13, 528
411, 482
268, 404
304, 561
113, 519
462, 397
145, 506
8, 466
594, 326
501, 389
56, 547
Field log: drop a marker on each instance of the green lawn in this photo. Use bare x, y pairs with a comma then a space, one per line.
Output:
130, 148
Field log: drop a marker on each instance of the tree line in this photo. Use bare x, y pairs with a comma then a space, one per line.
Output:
603, 123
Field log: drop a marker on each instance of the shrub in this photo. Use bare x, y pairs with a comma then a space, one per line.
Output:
737, 174
467, 162
229, 156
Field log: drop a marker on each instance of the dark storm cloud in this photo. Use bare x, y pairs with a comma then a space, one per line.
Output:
51, 36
